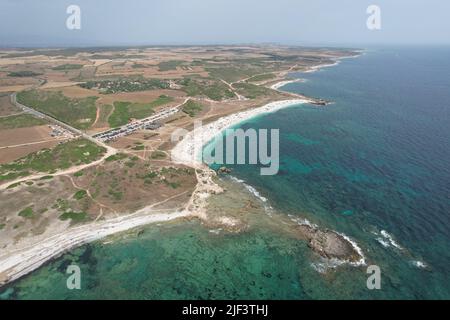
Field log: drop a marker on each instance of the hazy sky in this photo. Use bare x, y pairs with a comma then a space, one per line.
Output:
313, 22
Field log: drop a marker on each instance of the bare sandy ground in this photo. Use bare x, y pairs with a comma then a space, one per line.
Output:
19, 142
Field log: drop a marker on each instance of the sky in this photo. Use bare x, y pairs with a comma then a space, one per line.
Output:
175, 22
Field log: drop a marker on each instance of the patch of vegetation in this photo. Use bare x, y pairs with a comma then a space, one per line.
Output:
173, 185
76, 217
79, 113
46, 177
27, 213
124, 111
117, 56
63, 156
25, 73
120, 116
261, 77
192, 108
169, 65
232, 73
213, 89
11, 186
158, 155
61, 204
138, 147
117, 195
115, 157
138, 66
2, 225
130, 164
126, 85
80, 194
105, 112
78, 173
252, 91
20, 121
68, 66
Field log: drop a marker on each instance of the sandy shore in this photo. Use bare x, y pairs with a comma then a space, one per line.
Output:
280, 84
188, 151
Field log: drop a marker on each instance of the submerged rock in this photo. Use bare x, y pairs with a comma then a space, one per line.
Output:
224, 170
331, 245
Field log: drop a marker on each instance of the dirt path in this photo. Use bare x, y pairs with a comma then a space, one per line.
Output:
109, 152
31, 143
97, 116
12, 115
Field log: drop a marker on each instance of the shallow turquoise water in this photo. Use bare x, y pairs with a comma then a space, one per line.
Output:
377, 159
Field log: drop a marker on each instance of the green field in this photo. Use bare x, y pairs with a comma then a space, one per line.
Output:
252, 91
124, 111
169, 65
105, 111
79, 113
213, 89
261, 77
66, 67
20, 121
192, 108
63, 156
20, 74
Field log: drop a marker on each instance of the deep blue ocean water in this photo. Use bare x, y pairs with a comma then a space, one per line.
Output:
373, 165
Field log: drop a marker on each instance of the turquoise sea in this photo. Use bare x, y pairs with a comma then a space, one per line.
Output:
374, 165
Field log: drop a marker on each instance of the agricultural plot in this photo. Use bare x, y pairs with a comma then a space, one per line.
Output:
212, 89
20, 121
124, 111
252, 91
79, 113
169, 65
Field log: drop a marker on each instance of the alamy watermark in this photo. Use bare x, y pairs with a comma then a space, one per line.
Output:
74, 280
374, 280
374, 20
73, 22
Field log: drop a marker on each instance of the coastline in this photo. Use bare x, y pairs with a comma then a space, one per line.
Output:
30, 256
188, 150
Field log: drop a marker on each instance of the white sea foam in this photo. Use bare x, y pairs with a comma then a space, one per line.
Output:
419, 264
362, 260
303, 221
255, 193
316, 68
383, 242
215, 231
325, 264
390, 239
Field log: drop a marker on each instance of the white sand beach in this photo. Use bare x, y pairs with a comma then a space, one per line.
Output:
188, 151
